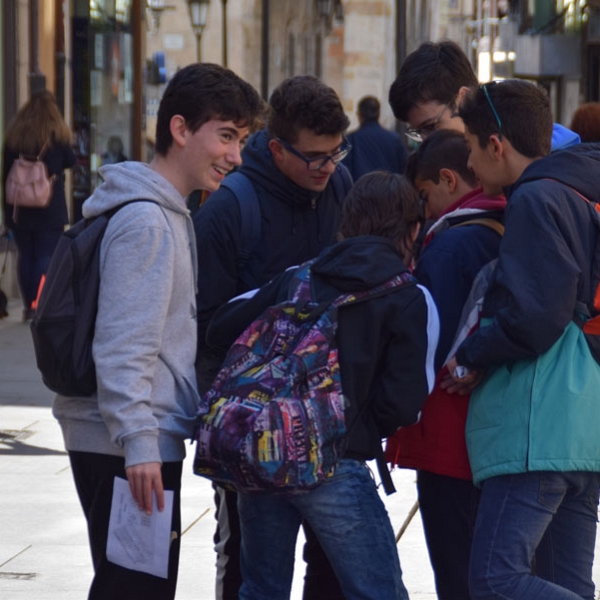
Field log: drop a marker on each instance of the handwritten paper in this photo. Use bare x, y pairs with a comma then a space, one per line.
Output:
136, 540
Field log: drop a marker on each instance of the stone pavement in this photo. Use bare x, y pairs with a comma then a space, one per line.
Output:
43, 549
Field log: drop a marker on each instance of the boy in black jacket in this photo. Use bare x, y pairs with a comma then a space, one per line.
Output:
386, 346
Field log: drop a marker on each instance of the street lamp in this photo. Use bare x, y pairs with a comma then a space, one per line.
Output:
338, 12
198, 14
325, 8
156, 8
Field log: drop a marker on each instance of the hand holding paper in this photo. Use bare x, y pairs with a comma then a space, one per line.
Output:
139, 540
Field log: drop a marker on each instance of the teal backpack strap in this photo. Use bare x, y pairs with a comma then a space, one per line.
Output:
245, 194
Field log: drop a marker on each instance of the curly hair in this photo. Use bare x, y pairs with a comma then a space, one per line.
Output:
305, 102
382, 204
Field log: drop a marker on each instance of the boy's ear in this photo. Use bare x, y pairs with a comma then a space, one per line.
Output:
462, 93
497, 146
276, 149
449, 179
178, 129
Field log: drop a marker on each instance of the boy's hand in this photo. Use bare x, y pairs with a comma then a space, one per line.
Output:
459, 379
144, 479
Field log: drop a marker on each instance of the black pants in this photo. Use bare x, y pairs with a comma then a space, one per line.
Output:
448, 509
320, 582
94, 475
35, 251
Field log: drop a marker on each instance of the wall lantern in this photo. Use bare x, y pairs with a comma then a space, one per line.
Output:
198, 15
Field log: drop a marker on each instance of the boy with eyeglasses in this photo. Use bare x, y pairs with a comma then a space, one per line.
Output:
532, 427
292, 187
429, 89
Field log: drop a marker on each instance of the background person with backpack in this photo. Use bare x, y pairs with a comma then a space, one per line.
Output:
386, 344
37, 132
144, 347
281, 208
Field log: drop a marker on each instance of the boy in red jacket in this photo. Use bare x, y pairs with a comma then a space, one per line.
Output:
463, 239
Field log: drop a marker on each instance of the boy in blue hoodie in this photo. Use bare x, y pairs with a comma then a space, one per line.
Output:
532, 427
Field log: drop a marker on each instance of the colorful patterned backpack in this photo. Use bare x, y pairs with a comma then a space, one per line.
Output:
273, 419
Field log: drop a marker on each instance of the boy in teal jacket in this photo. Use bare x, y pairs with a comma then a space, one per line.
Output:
532, 428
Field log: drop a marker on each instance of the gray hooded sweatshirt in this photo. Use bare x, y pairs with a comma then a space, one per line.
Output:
145, 341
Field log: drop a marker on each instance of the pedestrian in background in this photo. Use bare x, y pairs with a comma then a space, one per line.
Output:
373, 147
586, 122
38, 130
290, 188
135, 426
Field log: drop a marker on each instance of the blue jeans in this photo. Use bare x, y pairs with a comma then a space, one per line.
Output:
517, 512
351, 524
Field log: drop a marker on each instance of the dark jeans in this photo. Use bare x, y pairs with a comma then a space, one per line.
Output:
94, 475
35, 251
320, 582
515, 513
448, 507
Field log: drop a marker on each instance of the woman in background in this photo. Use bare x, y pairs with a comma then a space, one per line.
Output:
38, 130
586, 122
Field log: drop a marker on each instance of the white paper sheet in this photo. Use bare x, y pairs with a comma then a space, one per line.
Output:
136, 540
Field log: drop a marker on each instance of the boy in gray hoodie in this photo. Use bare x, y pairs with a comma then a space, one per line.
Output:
144, 346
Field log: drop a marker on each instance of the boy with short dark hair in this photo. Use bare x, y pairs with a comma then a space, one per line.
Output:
135, 425
462, 241
429, 87
532, 428
292, 186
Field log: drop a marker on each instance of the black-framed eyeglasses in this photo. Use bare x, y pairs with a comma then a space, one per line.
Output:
420, 133
489, 101
314, 163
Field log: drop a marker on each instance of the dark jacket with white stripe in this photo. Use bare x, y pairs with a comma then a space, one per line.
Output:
386, 344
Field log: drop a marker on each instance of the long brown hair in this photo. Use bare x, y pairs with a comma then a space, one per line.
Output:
37, 123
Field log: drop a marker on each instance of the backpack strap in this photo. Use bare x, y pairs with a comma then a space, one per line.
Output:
250, 217
342, 182
300, 288
488, 222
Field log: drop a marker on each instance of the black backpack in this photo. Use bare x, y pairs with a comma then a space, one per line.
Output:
64, 322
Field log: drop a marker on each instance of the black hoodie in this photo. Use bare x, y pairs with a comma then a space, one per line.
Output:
386, 344
296, 224
545, 262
